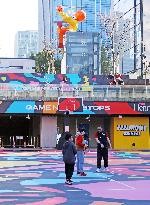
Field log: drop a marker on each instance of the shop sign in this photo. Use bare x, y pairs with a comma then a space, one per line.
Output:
141, 107
132, 130
41, 107
94, 108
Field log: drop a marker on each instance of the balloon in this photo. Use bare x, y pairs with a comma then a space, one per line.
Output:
79, 16
59, 8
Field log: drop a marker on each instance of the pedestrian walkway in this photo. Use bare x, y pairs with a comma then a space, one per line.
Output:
37, 178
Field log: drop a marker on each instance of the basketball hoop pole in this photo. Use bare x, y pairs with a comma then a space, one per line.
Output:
69, 106
66, 121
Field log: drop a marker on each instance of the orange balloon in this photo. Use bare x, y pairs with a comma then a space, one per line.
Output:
59, 8
80, 15
73, 23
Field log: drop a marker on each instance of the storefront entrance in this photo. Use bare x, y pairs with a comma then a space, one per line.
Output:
89, 123
17, 131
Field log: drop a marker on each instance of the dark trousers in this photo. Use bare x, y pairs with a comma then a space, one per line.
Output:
102, 153
69, 169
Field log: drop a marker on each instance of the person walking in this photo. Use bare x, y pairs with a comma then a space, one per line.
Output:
69, 151
103, 143
81, 146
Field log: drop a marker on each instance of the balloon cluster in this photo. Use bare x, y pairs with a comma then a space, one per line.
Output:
72, 22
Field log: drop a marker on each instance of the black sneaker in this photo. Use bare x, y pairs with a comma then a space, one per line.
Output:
68, 182
78, 172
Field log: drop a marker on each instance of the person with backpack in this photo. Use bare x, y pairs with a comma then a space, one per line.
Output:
103, 143
69, 151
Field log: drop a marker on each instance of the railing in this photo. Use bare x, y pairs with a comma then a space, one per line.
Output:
94, 92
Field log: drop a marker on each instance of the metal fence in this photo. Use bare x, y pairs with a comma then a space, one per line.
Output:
54, 91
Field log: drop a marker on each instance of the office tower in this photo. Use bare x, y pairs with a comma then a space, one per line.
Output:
44, 20
49, 18
26, 43
82, 52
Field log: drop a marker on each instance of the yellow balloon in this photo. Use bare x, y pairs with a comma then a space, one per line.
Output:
72, 21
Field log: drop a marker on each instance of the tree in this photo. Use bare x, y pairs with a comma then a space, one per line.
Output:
46, 63
57, 65
106, 64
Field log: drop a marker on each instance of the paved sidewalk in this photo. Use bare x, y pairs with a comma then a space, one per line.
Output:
37, 178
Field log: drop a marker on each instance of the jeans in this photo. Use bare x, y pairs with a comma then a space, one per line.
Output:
80, 160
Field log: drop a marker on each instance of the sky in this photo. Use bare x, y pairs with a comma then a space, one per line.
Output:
16, 15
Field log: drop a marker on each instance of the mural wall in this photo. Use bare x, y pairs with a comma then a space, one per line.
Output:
37, 79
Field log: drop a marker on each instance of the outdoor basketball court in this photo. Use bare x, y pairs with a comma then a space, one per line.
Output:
38, 178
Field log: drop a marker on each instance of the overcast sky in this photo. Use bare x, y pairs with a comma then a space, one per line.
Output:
16, 15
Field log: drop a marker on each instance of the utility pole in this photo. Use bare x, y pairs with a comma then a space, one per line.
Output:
135, 34
113, 47
142, 44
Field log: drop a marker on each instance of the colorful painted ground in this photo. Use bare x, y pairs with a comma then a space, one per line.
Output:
37, 178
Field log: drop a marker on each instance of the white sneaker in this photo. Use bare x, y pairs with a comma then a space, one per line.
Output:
98, 170
106, 169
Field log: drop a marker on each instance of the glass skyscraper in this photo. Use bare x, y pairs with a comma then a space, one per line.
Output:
128, 38
82, 52
94, 10
48, 17
45, 21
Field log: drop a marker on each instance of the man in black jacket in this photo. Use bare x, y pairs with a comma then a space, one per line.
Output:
69, 151
103, 143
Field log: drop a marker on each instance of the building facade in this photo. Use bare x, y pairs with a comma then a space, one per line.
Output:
26, 43
17, 65
93, 9
82, 52
34, 106
49, 18
45, 21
